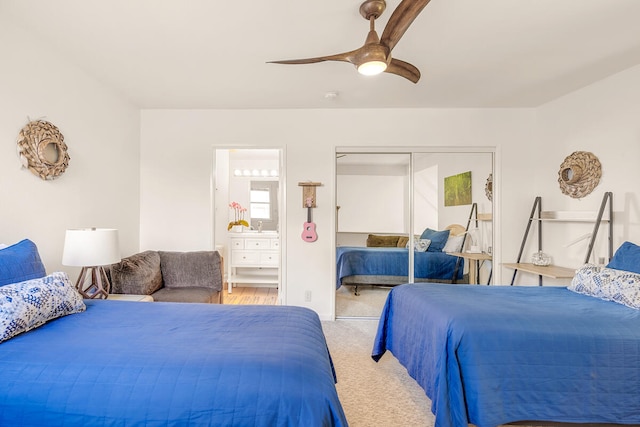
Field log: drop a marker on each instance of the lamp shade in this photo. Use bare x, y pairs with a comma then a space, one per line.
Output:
84, 247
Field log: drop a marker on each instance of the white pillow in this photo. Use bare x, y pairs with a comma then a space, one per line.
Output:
29, 304
454, 244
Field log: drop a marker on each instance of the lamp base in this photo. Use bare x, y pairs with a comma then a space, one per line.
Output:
93, 283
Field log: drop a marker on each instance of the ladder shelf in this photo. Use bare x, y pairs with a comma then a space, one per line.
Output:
603, 215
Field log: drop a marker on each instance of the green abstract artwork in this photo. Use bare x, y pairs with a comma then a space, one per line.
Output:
457, 189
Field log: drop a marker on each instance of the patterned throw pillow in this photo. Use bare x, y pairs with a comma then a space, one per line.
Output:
27, 305
419, 245
584, 281
422, 245
622, 287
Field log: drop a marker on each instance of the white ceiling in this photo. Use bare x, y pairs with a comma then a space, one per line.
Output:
212, 54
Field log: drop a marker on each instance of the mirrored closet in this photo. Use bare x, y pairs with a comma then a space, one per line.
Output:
396, 211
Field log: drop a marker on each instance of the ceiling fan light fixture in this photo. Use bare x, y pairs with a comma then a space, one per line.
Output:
372, 58
372, 68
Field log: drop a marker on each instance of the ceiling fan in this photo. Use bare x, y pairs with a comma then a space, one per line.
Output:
374, 56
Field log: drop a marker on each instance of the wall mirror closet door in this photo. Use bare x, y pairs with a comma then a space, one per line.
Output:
453, 191
247, 205
388, 200
372, 215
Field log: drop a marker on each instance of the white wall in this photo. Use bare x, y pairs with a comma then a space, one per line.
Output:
175, 189
100, 186
448, 164
372, 203
602, 118
426, 187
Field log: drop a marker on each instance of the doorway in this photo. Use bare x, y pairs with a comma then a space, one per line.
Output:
247, 207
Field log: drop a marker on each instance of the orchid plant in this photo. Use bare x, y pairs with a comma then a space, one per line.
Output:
238, 215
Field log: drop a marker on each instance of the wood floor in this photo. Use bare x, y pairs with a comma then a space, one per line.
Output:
250, 296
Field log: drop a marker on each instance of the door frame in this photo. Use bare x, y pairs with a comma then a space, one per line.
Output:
282, 214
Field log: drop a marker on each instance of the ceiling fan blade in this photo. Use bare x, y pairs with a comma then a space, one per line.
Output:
400, 20
345, 57
403, 69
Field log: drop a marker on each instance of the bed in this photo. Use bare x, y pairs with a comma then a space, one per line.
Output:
491, 355
358, 266
383, 265
104, 362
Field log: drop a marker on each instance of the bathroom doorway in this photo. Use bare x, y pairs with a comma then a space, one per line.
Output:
247, 206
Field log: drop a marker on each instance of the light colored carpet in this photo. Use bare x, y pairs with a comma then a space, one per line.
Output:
373, 394
368, 304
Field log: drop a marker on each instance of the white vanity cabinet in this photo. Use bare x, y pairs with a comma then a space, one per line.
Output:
255, 259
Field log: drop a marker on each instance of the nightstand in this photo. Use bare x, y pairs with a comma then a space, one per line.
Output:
474, 263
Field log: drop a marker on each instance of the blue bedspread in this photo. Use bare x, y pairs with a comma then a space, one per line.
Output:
499, 354
167, 364
384, 261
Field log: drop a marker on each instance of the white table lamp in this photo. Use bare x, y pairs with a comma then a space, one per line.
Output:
91, 249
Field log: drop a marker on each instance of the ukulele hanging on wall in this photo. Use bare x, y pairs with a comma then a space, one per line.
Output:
309, 230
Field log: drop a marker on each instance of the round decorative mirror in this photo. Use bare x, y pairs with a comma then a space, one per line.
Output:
488, 187
579, 174
42, 149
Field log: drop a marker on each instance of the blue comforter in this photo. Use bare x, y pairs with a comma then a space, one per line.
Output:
499, 354
385, 261
168, 364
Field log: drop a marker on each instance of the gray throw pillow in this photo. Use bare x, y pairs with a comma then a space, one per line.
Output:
191, 269
139, 274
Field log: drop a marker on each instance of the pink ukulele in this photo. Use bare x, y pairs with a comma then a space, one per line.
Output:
309, 230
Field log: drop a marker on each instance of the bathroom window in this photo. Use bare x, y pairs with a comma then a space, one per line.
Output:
263, 205
260, 204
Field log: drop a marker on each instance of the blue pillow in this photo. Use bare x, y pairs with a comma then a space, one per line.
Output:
626, 258
438, 239
20, 262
